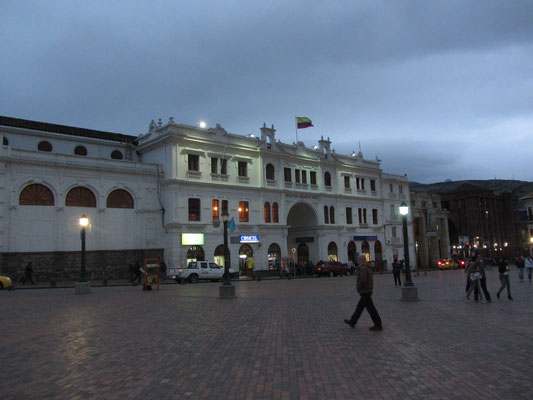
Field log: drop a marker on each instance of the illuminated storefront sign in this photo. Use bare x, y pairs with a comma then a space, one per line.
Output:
192, 239
249, 238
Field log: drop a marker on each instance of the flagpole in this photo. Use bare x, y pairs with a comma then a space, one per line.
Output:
296, 128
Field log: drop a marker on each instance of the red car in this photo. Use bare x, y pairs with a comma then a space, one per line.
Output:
332, 268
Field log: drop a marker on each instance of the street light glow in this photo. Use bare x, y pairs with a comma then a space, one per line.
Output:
202, 124
404, 208
84, 221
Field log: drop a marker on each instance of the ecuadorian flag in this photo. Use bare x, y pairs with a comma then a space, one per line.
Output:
303, 122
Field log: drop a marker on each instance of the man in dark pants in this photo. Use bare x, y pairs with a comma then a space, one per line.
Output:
28, 271
483, 279
365, 285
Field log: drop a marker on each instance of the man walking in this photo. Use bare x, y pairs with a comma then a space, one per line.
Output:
365, 285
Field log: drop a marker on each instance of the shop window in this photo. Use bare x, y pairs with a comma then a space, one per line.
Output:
36, 195
119, 198
80, 151
312, 175
275, 214
332, 214
243, 168
194, 209
44, 146
267, 212
349, 220
332, 252
116, 155
287, 174
270, 172
326, 215
327, 179
80, 197
193, 162
243, 211
215, 209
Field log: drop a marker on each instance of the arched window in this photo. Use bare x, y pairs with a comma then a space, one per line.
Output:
352, 252
267, 212
119, 198
44, 146
274, 256
327, 179
80, 197
326, 215
80, 151
116, 155
275, 214
5, 142
332, 214
332, 252
270, 171
36, 195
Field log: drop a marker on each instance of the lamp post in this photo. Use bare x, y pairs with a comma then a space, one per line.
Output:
409, 290
226, 290
83, 286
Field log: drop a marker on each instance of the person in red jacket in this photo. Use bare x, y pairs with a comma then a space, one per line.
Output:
365, 285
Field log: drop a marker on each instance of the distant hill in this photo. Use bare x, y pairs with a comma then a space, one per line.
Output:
498, 186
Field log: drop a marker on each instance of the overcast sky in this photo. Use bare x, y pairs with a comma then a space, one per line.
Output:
436, 89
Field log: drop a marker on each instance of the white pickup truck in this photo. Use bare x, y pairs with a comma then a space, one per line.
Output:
196, 270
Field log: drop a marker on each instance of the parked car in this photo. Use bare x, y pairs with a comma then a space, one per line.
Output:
6, 282
199, 270
443, 264
332, 268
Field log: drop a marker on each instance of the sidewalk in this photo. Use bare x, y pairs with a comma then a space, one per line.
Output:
279, 339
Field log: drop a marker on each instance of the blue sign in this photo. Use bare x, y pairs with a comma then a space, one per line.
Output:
365, 238
308, 239
249, 238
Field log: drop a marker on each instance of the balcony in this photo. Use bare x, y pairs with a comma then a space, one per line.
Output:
301, 186
396, 240
219, 177
288, 185
328, 189
374, 193
393, 196
361, 191
194, 175
243, 179
347, 190
271, 182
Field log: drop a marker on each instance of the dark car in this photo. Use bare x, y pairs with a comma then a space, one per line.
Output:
332, 268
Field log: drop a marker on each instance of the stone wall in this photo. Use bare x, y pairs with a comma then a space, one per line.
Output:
65, 265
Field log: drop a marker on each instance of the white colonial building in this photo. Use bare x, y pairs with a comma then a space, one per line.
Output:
163, 193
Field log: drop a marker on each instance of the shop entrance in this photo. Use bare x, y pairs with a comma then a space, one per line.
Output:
352, 252
195, 253
246, 260
219, 256
303, 253
274, 257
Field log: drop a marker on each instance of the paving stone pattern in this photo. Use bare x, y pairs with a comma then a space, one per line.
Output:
279, 339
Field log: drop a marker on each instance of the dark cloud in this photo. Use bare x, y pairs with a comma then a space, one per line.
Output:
405, 78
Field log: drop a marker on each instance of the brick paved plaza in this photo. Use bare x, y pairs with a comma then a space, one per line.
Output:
279, 339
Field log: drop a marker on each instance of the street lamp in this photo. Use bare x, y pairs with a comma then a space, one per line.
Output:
83, 286
409, 290
226, 290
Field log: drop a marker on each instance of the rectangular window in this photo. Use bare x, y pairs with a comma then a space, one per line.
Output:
364, 215
243, 211
360, 215
372, 185
287, 174
434, 204
394, 231
392, 211
362, 183
243, 168
347, 182
312, 175
304, 177
194, 209
357, 183
194, 162
375, 216
400, 189
391, 188
349, 220
214, 165
216, 210
297, 175
224, 166
225, 207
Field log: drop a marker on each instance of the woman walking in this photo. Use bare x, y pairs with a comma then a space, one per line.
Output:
503, 269
475, 278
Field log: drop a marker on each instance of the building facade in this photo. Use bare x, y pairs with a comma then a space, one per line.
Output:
164, 192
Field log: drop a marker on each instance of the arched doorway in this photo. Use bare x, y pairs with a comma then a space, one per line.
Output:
302, 222
246, 260
378, 256
352, 252
332, 252
195, 253
219, 256
303, 253
274, 257
365, 249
